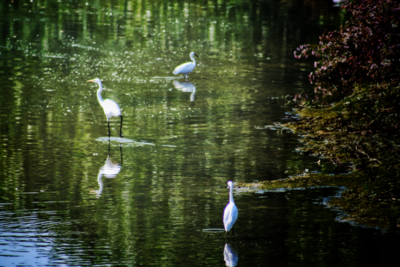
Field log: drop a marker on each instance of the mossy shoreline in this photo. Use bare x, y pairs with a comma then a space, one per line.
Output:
361, 203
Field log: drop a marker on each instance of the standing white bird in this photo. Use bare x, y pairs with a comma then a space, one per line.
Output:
231, 211
111, 109
187, 67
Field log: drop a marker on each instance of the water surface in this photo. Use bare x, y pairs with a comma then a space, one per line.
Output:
70, 196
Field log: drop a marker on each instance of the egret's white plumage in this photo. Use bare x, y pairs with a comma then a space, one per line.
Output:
187, 67
111, 109
231, 211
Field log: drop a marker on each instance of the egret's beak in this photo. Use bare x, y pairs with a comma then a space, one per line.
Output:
196, 55
90, 81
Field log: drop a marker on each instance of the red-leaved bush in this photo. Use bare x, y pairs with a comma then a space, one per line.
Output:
366, 50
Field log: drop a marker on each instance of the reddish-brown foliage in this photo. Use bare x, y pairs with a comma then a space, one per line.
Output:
365, 50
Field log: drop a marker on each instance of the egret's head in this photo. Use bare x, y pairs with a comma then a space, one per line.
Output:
97, 80
230, 184
193, 54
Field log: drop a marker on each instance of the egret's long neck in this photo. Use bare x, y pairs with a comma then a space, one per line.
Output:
193, 59
99, 94
231, 194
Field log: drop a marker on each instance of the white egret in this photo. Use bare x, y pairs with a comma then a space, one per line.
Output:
187, 67
231, 211
111, 109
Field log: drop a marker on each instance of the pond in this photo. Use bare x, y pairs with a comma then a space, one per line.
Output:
71, 196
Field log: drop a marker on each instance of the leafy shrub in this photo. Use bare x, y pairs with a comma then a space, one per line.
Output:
365, 50
361, 62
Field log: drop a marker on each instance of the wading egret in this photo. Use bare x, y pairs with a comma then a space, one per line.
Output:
231, 211
111, 109
187, 67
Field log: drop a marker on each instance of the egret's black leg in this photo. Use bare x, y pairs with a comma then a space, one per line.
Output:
120, 129
120, 150
108, 123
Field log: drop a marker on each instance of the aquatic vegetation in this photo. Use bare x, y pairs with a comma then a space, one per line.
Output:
306, 180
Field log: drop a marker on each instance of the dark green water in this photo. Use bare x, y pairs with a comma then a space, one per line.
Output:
68, 197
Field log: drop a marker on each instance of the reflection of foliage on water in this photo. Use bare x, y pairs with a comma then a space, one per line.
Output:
48, 55
370, 206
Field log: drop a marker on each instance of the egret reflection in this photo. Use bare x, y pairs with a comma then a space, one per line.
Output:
110, 169
231, 257
186, 87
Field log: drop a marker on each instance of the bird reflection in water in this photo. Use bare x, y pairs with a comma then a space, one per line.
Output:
186, 87
110, 170
230, 256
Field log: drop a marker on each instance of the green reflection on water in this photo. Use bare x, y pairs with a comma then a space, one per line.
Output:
180, 147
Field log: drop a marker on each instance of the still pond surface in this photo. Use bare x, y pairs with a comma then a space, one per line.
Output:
69, 196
